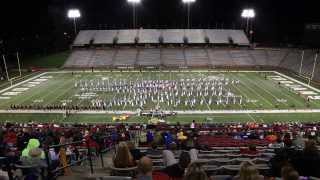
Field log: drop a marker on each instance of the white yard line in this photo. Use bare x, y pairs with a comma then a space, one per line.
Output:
284, 111
22, 82
301, 83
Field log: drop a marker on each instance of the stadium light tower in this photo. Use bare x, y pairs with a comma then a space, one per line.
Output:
74, 14
188, 2
134, 3
248, 14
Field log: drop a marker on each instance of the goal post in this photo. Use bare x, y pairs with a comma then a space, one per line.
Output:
13, 63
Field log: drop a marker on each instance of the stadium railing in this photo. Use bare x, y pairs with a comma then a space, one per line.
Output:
88, 155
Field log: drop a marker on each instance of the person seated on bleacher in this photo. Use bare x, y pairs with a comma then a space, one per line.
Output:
169, 155
195, 172
251, 150
177, 170
248, 172
289, 173
181, 136
36, 161
153, 151
123, 157
136, 154
145, 169
32, 144
307, 162
278, 143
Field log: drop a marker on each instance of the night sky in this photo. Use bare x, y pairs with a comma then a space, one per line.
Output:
38, 25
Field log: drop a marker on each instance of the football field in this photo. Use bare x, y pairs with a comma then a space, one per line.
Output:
186, 92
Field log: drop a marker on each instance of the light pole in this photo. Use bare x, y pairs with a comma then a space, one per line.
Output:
134, 3
248, 14
188, 2
74, 14
314, 68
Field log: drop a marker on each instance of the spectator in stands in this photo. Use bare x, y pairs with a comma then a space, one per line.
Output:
145, 169
32, 144
195, 172
193, 124
252, 150
149, 136
154, 149
248, 172
288, 173
278, 144
136, 154
169, 155
177, 170
299, 142
36, 161
307, 163
123, 157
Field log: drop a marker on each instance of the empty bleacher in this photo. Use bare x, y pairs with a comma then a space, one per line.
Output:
241, 58
125, 57
79, 59
173, 36
195, 36
84, 37
149, 36
105, 36
220, 58
170, 36
149, 57
196, 57
173, 57
239, 37
102, 58
217, 36
127, 36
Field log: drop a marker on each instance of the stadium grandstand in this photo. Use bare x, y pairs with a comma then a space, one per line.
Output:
232, 94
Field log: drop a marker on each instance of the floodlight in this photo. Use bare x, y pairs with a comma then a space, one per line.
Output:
74, 13
188, 1
134, 1
248, 13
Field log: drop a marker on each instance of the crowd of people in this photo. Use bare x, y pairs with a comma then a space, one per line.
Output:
295, 145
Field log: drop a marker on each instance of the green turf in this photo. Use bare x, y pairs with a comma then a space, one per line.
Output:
209, 118
264, 93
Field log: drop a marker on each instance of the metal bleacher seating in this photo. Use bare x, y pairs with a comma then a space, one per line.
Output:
195, 36
127, 36
84, 37
238, 37
79, 58
102, 58
173, 36
217, 36
149, 36
105, 36
125, 57
196, 57
170, 36
241, 58
173, 57
220, 58
149, 57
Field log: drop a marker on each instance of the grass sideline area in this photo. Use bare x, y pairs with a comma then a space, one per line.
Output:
55, 60
183, 119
